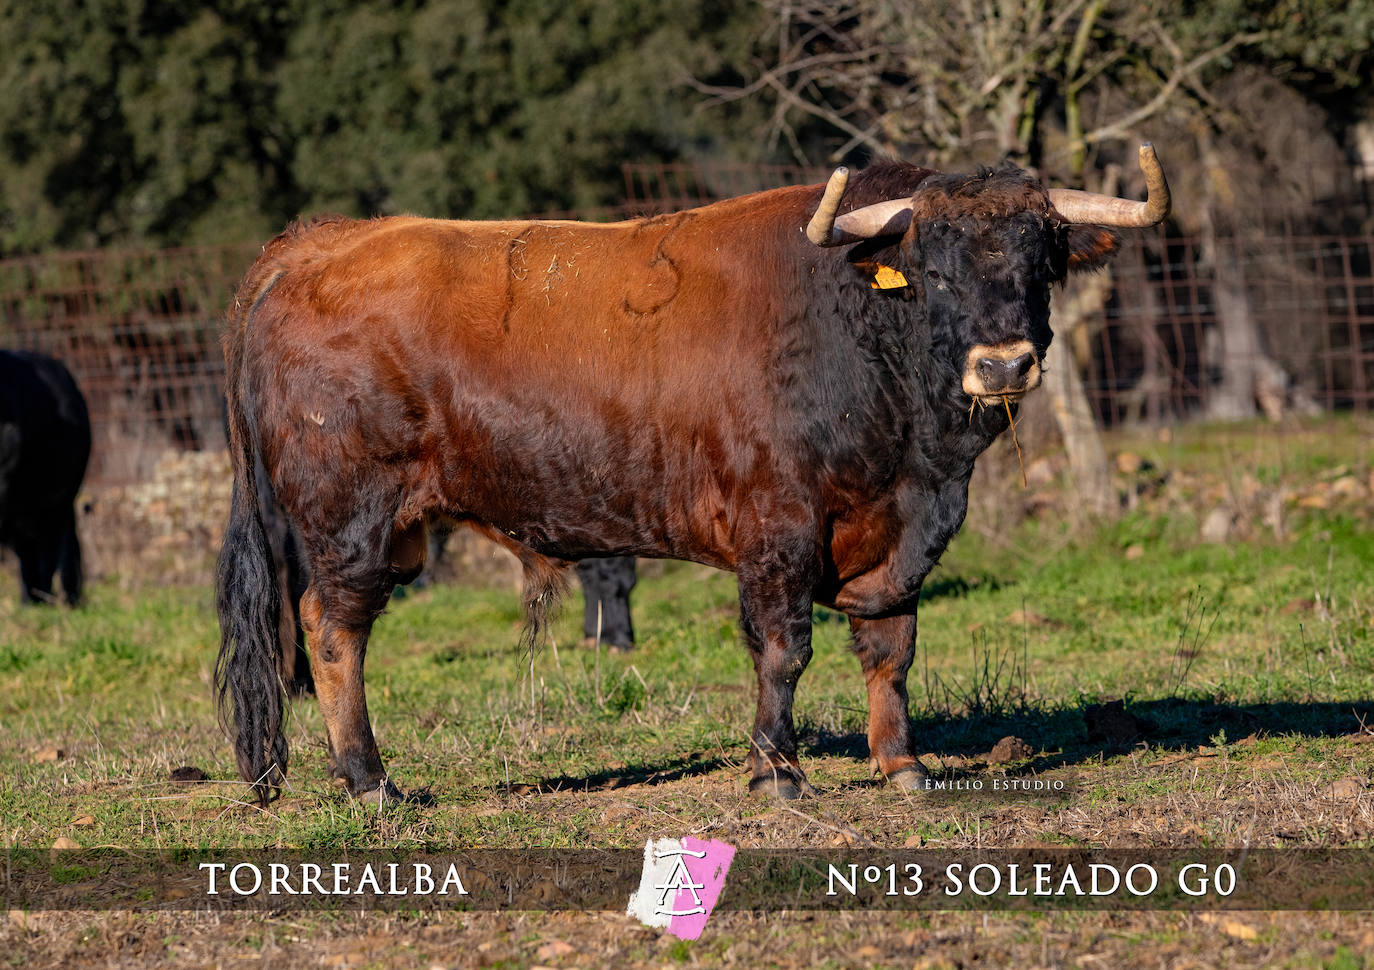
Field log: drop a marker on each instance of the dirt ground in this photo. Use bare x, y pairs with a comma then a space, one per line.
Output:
787, 940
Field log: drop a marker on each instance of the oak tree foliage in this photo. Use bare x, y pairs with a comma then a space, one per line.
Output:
154, 122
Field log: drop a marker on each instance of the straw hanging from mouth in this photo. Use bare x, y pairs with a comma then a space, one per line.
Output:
1006, 403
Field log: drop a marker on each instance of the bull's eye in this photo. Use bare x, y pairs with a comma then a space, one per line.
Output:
935, 278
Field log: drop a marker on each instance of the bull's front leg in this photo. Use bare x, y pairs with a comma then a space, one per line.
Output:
885, 648
775, 616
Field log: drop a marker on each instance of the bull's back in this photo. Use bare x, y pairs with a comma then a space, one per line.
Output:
548, 300
546, 378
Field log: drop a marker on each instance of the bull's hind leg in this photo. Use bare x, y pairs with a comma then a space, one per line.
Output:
775, 617
337, 624
885, 649
344, 598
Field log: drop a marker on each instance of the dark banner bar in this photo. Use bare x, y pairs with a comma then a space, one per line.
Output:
758, 880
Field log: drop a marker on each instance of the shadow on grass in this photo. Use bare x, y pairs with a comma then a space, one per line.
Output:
1074, 734
950, 586
1088, 731
634, 775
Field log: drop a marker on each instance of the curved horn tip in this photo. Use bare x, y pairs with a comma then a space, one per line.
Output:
819, 229
1159, 201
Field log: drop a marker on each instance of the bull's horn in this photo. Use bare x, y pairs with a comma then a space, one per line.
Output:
880, 219
819, 228
1107, 210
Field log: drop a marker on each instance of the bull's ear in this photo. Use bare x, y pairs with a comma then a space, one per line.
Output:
880, 275
877, 265
1090, 247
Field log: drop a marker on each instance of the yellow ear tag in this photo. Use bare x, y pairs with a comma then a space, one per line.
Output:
888, 278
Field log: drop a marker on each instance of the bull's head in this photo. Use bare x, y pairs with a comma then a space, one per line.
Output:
984, 249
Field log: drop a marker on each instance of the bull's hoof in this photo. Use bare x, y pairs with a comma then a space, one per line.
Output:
380, 797
781, 785
909, 778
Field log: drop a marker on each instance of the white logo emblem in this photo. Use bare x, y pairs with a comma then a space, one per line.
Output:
679, 879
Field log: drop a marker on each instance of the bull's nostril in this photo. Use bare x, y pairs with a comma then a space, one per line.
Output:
998, 375
995, 374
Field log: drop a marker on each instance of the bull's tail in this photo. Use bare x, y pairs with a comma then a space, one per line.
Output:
545, 583
249, 692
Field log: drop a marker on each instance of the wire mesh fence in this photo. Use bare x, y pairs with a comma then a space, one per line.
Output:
1280, 323
140, 332
671, 186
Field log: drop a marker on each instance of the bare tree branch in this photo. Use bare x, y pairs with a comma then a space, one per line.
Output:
1122, 127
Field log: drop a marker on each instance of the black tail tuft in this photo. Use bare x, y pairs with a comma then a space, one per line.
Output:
249, 693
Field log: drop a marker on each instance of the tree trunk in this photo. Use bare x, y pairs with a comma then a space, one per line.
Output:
1092, 479
1233, 350
1148, 399
1083, 296
1236, 351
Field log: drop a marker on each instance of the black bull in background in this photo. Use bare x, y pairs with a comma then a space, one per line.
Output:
45, 443
792, 385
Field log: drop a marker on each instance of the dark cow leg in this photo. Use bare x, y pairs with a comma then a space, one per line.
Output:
50, 545
775, 617
69, 561
298, 679
297, 580
288, 622
606, 585
35, 585
439, 531
295, 662
293, 575
337, 634
885, 649
292, 579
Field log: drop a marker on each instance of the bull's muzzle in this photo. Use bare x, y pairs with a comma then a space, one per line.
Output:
1004, 370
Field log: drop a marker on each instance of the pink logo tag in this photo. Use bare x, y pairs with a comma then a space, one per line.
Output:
681, 882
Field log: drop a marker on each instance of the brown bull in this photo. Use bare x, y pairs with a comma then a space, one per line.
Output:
782, 385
